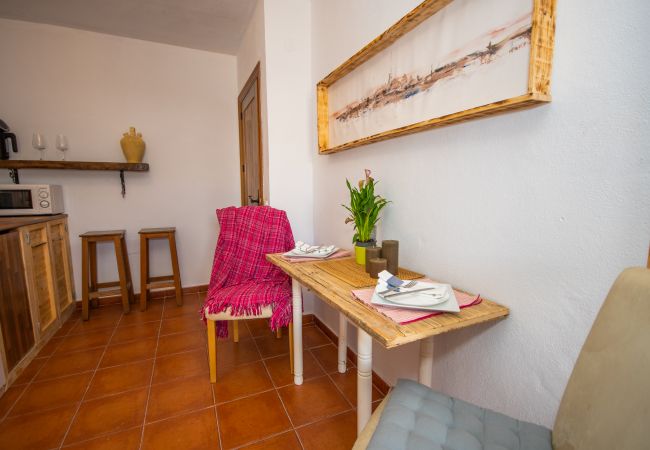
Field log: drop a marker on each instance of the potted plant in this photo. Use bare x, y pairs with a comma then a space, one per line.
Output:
364, 210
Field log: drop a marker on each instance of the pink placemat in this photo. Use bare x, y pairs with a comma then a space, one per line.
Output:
341, 253
403, 316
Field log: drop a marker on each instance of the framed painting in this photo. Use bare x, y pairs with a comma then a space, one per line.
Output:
446, 61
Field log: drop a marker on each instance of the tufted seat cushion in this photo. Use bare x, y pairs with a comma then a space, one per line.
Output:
416, 417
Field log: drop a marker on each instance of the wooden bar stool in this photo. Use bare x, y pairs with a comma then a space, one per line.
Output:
91, 289
147, 282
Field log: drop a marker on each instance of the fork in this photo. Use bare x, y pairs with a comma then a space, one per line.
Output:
396, 289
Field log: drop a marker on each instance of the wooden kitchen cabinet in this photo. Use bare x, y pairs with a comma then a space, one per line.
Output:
36, 286
15, 314
37, 255
61, 263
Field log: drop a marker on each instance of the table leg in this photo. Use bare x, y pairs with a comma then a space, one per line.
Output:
364, 379
297, 331
426, 361
343, 342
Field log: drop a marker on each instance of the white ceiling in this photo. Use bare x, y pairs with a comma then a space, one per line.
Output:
213, 25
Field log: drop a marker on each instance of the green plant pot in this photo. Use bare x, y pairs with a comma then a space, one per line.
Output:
360, 251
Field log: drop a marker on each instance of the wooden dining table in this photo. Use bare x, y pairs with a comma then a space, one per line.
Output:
371, 324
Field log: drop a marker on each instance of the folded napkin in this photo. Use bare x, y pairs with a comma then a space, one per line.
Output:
303, 250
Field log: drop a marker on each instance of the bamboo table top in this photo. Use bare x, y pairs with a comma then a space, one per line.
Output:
338, 294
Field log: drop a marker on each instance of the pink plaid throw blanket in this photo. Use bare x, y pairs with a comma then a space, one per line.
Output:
242, 279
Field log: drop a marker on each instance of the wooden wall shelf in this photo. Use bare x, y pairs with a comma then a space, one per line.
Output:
14, 165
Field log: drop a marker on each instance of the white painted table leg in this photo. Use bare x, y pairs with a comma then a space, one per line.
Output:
297, 331
364, 379
343, 342
426, 361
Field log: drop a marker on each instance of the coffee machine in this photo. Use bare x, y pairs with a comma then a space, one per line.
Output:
7, 141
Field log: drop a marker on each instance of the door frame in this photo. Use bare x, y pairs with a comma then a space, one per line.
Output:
254, 76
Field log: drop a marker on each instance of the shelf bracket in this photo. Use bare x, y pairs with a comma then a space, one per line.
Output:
123, 184
13, 174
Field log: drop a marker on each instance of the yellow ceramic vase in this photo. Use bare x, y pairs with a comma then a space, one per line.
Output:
360, 251
132, 146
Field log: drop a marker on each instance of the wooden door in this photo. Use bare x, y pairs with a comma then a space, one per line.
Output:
15, 316
250, 141
61, 263
40, 276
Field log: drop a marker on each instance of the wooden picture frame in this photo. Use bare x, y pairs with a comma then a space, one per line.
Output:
540, 32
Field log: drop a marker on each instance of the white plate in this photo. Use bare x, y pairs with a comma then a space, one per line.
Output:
449, 305
417, 299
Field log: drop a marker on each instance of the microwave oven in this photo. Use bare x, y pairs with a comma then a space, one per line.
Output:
30, 199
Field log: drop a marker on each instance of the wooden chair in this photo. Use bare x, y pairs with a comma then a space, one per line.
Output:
242, 277
226, 316
146, 282
91, 288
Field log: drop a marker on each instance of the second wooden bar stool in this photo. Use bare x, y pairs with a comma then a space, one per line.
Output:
89, 285
147, 282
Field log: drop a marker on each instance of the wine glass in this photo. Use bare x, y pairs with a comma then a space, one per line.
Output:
62, 144
39, 143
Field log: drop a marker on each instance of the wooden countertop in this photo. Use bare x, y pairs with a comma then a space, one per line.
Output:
9, 223
338, 294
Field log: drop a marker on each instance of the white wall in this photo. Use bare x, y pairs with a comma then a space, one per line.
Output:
92, 87
538, 209
290, 116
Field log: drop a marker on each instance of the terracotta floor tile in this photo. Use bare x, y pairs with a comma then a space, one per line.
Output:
9, 398
86, 341
124, 440
259, 327
190, 306
95, 323
52, 393
270, 346
66, 327
328, 357
115, 380
314, 399
237, 381
136, 332
284, 441
129, 352
251, 419
107, 414
50, 347
193, 431
336, 433
178, 397
182, 324
30, 371
181, 365
281, 372
312, 336
181, 342
36, 431
70, 363
234, 353
152, 313
347, 383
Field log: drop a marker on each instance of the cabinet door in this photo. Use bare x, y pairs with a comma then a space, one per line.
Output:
61, 263
15, 316
40, 276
